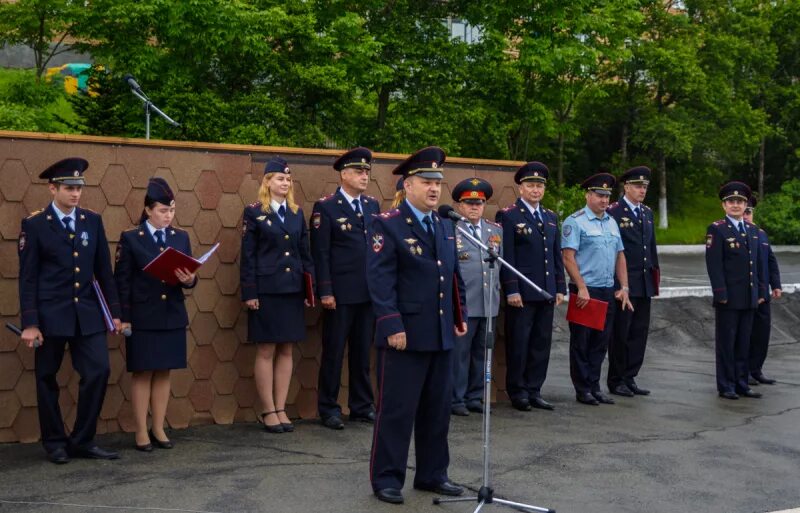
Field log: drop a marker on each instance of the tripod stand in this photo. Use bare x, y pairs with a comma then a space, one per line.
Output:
486, 492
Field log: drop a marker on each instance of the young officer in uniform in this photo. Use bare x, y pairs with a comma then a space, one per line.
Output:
339, 225
593, 256
629, 339
532, 244
154, 310
61, 250
413, 269
275, 258
471, 196
762, 321
733, 265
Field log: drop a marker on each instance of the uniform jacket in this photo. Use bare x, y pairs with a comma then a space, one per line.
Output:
733, 265
770, 277
339, 247
147, 302
275, 254
639, 239
475, 270
56, 273
534, 250
411, 281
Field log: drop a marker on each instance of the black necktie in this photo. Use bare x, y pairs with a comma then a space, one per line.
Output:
160, 237
474, 231
636, 212
537, 218
68, 224
356, 206
282, 212
741, 230
428, 225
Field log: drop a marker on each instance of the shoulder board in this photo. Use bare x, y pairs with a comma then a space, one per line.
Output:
548, 211
254, 205
371, 198
88, 210
510, 207
35, 213
718, 223
389, 213
176, 229
645, 207
578, 213
134, 229
498, 225
326, 198
614, 205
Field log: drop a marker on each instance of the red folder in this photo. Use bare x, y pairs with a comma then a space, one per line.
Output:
593, 315
163, 266
309, 283
459, 316
656, 273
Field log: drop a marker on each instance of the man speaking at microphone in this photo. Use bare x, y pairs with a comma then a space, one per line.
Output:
413, 269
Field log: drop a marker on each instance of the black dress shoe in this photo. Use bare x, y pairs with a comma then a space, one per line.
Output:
271, 428
751, 394
602, 398
58, 456
333, 422
288, 427
537, 402
636, 389
521, 404
368, 417
761, 378
586, 398
94, 453
729, 395
446, 488
752, 382
390, 495
622, 390
460, 411
475, 407
161, 444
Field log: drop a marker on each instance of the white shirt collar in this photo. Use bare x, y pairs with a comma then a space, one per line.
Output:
530, 207
153, 229
276, 206
349, 198
639, 206
734, 222
62, 215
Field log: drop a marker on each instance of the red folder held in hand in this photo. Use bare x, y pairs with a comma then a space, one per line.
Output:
458, 317
163, 266
309, 288
593, 315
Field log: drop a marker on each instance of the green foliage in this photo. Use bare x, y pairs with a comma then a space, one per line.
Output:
29, 105
779, 214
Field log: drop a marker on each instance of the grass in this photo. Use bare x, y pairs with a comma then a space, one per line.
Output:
688, 223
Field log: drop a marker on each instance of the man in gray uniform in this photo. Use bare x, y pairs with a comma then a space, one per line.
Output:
470, 196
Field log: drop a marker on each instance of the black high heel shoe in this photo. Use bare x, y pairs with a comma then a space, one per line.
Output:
287, 427
271, 428
161, 444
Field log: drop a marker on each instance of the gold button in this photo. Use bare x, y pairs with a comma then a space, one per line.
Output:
645, 247
547, 273
545, 250
163, 297
441, 312
544, 238
441, 295
645, 259
77, 269
286, 236
75, 254
286, 254
288, 269
439, 262
75, 299
545, 260
161, 249
441, 278
751, 273
162, 281
77, 285
751, 262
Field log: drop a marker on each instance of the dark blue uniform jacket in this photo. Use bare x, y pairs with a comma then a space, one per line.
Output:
639, 239
733, 265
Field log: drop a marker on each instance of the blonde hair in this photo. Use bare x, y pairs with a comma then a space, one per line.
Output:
265, 196
399, 196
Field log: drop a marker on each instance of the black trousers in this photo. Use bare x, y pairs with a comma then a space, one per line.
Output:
732, 336
414, 393
529, 334
350, 325
90, 359
759, 338
628, 342
587, 346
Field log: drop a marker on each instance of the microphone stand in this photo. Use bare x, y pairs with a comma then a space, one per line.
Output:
148, 106
486, 492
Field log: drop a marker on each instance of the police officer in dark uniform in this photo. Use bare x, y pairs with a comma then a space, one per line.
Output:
532, 244
629, 339
733, 265
339, 226
154, 310
61, 250
414, 276
762, 321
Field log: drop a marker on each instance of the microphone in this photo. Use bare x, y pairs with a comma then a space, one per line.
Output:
132, 83
449, 212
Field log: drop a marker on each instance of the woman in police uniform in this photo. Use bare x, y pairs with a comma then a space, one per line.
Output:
276, 269
153, 310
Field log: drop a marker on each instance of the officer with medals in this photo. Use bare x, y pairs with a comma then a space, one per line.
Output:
629, 338
594, 258
471, 196
762, 321
339, 226
532, 244
413, 268
61, 250
733, 265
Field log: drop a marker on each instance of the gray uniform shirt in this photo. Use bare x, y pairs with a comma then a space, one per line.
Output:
476, 272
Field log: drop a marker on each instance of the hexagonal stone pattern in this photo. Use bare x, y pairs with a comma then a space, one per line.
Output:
212, 189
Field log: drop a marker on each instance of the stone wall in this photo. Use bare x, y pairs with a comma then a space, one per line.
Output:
212, 184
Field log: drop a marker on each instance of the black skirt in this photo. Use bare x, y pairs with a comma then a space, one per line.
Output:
280, 318
147, 350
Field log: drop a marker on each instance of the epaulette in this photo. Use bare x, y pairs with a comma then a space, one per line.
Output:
373, 198
35, 213
255, 204
493, 223
510, 207
326, 198
718, 223
389, 213
645, 207
578, 213
135, 228
614, 205
88, 210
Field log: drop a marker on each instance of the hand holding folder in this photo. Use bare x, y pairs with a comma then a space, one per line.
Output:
164, 265
593, 315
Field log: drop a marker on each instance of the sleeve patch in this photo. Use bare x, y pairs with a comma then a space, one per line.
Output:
377, 242
316, 220
22, 240
709, 240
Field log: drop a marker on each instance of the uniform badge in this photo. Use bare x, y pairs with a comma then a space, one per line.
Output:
316, 220
494, 242
567, 230
21, 241
172, 232
709, 240
377, 243
118, 252
84, 239
409, 221
260, 218
463, 256
524, 229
